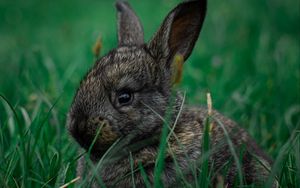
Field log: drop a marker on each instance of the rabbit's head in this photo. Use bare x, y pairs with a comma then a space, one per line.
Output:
129, 88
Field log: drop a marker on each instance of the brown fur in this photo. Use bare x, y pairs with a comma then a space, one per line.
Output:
145, 71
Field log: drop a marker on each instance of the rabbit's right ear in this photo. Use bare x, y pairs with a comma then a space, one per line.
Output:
179, 31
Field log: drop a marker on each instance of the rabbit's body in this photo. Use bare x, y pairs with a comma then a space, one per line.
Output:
125, 96
187, 149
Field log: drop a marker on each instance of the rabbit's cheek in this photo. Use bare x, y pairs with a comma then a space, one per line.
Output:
133, 116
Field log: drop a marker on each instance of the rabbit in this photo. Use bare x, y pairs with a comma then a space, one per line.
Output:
118, 112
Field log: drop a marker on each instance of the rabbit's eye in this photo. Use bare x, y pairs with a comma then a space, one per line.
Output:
124, 97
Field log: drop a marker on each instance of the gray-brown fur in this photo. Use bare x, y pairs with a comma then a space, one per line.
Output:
144, 70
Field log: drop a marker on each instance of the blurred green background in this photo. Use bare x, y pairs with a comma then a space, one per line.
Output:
247, 56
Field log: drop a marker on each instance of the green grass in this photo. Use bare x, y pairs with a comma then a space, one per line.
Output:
248, 57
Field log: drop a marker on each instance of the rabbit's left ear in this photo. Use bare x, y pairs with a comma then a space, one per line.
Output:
130, 30
179, 31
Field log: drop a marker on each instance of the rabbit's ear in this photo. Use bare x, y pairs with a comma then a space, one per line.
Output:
179, 31
130, 30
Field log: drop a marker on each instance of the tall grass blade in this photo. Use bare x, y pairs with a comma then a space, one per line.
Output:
204, 176
144, 176
233, 152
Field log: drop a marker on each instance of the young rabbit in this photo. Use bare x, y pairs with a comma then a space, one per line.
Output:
119, 109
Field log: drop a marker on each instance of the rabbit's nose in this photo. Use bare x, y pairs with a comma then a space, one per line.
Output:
98, 121
79, 131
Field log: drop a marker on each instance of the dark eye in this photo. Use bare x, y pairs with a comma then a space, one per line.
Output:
124, 97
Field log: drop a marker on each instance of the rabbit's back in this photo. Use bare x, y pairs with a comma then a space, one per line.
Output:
226, 139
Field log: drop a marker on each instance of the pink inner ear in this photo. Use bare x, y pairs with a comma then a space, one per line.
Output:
179, 34
185, 30
179, 31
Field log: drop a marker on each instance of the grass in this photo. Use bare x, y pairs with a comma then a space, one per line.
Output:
248, 57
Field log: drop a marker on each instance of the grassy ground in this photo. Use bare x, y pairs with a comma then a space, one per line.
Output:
248, 57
